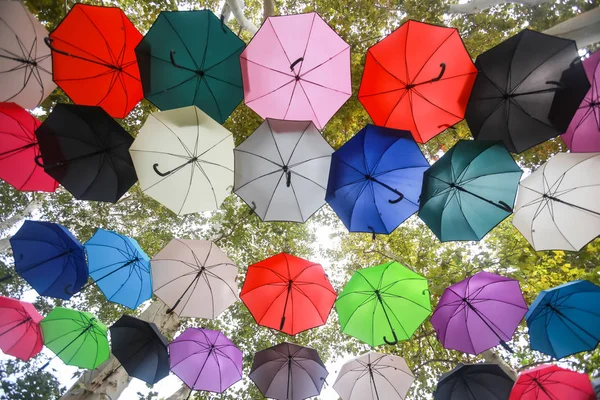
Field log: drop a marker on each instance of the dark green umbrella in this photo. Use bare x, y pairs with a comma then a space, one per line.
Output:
191, 58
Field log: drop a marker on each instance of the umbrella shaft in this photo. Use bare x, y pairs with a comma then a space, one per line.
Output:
22, 60
287, 297
503, 206
391, 189
9, 152
569, 204
170, 310
560, 313
17, 325
107, 275
476, 311
67, 346
61, 163
373, 380
64, 253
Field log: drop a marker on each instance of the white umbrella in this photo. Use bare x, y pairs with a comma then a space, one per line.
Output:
184, 160
557, 206
374, 376
282, 169
194, 278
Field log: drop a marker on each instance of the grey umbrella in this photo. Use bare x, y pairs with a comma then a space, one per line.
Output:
596, 385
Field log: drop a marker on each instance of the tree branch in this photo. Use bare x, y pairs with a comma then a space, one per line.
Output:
440, 360
236, 8
33, 206
583, 28
477, 6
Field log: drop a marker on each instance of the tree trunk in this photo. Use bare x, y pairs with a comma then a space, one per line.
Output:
583, 28
33, 206
4, 244
181, 394
477, 6
491, 357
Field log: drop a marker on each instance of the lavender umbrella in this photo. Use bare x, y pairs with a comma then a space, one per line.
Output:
479, 313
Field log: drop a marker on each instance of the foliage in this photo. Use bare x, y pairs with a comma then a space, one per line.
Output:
23, 381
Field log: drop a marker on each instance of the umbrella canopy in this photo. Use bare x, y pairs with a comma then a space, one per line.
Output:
469, 190
86, 150
205, 360
557, 207
281, 170
19, 148
140, 348
191, 58
76, 337
564, 320
418, 78
25, 65
288, 372
549, 382
195, 278
119, 267
596, 385
479, 313
296, 68
94, 61
527, 90
288, 293
375, 180
20, 332
474, 382
374, 376
49, 258
383, 301
184, 160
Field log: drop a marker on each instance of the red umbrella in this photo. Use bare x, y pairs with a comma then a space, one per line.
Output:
549, 382
20, 332
18, 149
94, 61
288, 293
418, 79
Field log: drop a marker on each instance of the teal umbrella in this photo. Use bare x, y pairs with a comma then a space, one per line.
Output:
469, 191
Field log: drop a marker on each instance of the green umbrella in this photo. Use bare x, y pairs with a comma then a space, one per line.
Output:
383, 301
76, 337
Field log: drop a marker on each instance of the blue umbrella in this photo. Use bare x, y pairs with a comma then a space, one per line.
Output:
565, 320
375, 179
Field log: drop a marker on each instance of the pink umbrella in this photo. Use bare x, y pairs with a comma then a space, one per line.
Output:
296, 68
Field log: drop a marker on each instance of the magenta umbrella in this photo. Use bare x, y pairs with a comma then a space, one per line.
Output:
296, 68
479, 313
583, 133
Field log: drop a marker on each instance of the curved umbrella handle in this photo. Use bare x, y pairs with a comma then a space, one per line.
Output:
252, 209
172, 57
68, 290
391, 343
401, 196
170, 310
48, 42
505, 206
443, 66
288, 178
372, 231
155, 168
295, 63
37, 161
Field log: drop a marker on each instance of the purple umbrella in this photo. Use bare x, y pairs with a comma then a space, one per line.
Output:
479, 313
205, 360
583, 133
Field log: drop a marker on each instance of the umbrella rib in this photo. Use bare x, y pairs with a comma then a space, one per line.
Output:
369, 299
256, 155
183, 43
226, 58
515, 87
309, 102
212, 298
273, 195
191, 78
326, 87
394, 108
110, 53
296, 145
213, 96
271, 92
278, 40
312, 23
324, 62
308, 160
221, 80
269, 68
275, 141
197, 164
208, 273
454, 31
435, 105
260, 177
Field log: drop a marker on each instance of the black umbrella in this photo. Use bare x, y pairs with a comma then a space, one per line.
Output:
140, 348
527, 90
474, 382
87, 151
288, 372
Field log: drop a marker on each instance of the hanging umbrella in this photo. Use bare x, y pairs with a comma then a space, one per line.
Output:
296, 68
383, 301
288, 372
140, 348
288, 293
25, 65
119, 267
474, 382
557, 207
527, 90
76, 337
374, 376
479, 313
550, 382
18, 149
184, 160
281, 170
418, 78
565, 320
375, 180
205, 360
20, 333
195, 278
94, 61
596, 385
192, 58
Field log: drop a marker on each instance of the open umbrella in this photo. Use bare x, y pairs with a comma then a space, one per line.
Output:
20, 332
474, 382
469, 190
94, 61
383, 304
374, 376
184, 160
596, 385
25, 65
375, 180
479, 313
192, 58
87, 151
288, 372
288, 293
195, 278
296, 68
565, 320
550, 382
418, 78
527, 90
557, 207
